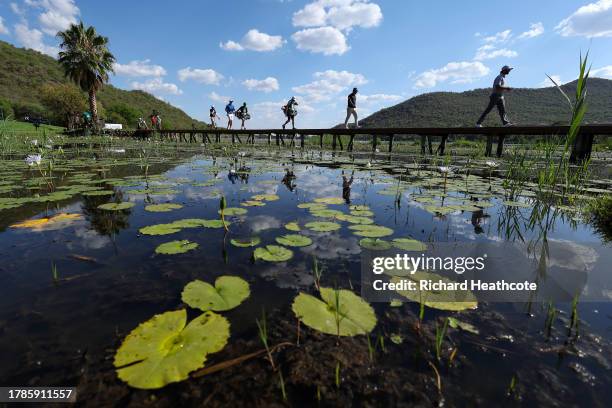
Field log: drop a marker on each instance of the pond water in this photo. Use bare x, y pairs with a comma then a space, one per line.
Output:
79, 278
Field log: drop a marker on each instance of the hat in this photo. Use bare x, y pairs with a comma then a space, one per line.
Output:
507, 68
355, 90
231, 100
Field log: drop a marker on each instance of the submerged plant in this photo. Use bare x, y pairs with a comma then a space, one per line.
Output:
54, 273
440, 334
222, 206
262, 326
316, 272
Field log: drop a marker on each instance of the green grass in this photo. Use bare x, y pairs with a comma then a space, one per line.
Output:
12, 126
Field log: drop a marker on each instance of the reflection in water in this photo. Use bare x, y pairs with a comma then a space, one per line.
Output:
289, 179
104, 222
346, 186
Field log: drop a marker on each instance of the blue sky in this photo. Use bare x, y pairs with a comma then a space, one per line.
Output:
194, 53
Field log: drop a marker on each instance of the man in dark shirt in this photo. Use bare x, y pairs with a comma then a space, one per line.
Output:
351, 108
497, 98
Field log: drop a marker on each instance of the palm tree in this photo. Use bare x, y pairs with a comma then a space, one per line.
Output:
86, 60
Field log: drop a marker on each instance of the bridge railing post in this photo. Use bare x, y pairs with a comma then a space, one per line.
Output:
582, 148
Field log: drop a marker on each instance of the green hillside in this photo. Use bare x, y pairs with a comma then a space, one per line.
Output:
525, 106
23, 72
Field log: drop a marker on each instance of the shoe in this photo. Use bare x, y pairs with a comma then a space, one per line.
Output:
478, 125
509, 124
283, 127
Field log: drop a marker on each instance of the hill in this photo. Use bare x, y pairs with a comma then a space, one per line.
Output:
23, 72
525, 106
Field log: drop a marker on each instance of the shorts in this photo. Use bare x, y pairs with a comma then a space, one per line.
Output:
230, 116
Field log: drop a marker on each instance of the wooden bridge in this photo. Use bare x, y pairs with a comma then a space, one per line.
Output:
581, 149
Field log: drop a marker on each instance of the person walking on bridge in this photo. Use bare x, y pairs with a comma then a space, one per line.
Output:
351, 108
290, 111
497, 97
243, 114
213, 117
230, 111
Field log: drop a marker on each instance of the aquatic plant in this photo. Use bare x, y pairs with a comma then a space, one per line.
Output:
116, 206
165, 349
228, 293
370, 231
273, 253
317, 272
338, 312
54, 273
599, 213
551, 315
163, 207
262, 327
222, 205
294, 240
440, 334
176, 247
457, 300
245, 242
322, 226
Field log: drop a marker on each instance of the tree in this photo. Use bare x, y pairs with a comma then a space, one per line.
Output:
86, 60
65, 103
6, 109
130, 115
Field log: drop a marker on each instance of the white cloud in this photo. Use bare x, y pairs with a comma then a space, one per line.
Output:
137, 68
341, 14
592, 20
264, 85
202, 76
379, 98
325, 40
157, 85
329, 83
489, 51
255, 40
58, 15
16, 9
547, 82
3, 29
535, 30
33, 38
500, 37
603, 72
215, 97
456, 72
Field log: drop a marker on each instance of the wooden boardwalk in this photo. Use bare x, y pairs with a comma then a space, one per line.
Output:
345, 137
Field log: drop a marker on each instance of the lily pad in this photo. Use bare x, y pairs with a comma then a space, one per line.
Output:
322, 226
230, 211
163, 207
375, 244
443, 300
116, 206
293, 226
228, 293
245, 242
294, 240
160, 229
252, 203
176, 247
312, 206
265, 197
408, 244
371, 231
329, 200
458, 324
273, 253
97, 193
164, 350
338, 312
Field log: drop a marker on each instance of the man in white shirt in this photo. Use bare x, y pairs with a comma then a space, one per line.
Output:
497, 98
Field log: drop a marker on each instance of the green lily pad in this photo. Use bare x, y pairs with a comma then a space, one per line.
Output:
322, 226
231, 211
265, 197
163, 350
396, 338
447, 300
294, 240
163, 207
329, 200
252, 203
338, 312
293, 226
362, 213
375, 244
408, 244
458, 324
273, 253
228, 293
176, 247
371, 231
354, 219
97, 193
245, 242
326, 213
312, 206
116, 206
160, 229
